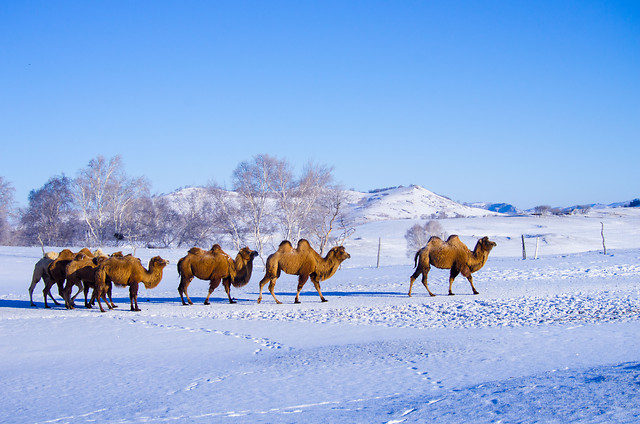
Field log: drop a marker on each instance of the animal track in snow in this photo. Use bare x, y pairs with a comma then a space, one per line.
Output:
262, 341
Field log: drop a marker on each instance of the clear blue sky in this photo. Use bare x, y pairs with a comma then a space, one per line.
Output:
526, 102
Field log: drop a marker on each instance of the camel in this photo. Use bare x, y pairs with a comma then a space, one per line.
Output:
81, 272
215, 265
41, 271
304, 262
454, 255
127, 271
58, 273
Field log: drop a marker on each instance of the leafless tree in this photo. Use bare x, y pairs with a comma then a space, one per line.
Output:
196, 220
253, 181
104, 193
6, 209
297, 198
50, 217
227, 214
328, 221
162, 222
418, 235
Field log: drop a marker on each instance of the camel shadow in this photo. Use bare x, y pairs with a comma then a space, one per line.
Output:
20, 304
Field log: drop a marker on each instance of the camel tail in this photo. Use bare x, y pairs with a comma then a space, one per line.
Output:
415, 258
179, 266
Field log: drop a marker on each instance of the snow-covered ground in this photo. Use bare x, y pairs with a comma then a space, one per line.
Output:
547, 340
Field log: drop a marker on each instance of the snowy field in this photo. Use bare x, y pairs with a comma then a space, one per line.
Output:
549, 340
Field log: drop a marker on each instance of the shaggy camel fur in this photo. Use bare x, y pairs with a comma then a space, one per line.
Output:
58, 273
304, 262
41, 271
81, 272
215, 265
127, 271
454, 255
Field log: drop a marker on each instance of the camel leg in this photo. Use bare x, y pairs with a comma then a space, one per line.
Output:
415, 275
317, 285
47, 292
37, 275
109, 290
86, 293
227, 288
424, 282
133, 296
262, 283
98, 293
68, 303
182, 289
302, 279
467, 273
272, 286
212, 286
80, 288
452, 276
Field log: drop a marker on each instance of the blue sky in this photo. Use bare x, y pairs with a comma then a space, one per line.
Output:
526, 102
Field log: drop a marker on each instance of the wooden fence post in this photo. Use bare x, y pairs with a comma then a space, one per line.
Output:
602, 234
524, 250
378, 261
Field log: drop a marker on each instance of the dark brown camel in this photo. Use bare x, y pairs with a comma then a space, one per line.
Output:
58, 272
215, 265
81, 271
454, 255
304, 262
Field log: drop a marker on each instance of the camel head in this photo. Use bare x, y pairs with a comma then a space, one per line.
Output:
157, 262
340, 253
485, 244
248, 254
156, 266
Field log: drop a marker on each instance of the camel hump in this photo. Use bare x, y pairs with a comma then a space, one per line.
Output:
285, 243
453, 238
304, 244
196, 251
86, 252
216, 248
51, 255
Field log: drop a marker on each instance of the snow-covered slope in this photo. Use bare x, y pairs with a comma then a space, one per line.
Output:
413, 202
547, 340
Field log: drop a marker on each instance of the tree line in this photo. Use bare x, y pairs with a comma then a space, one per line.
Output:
104, 206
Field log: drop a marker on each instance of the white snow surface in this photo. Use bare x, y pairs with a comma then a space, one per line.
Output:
553, 339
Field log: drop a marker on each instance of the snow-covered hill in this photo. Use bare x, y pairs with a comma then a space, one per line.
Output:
412, 202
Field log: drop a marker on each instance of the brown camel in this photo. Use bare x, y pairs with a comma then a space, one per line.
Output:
58, 273
81, 272
41, 272
127, 271
215, 265
454, 255
304, 262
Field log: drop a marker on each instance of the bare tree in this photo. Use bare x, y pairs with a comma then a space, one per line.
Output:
6, 209
103, 193
161, 223
328, 221
297, 198
196, 220
253, 181
227, 214
418, 235
50, 217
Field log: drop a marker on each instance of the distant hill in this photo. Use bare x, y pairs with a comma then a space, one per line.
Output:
412, 202
505, 208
